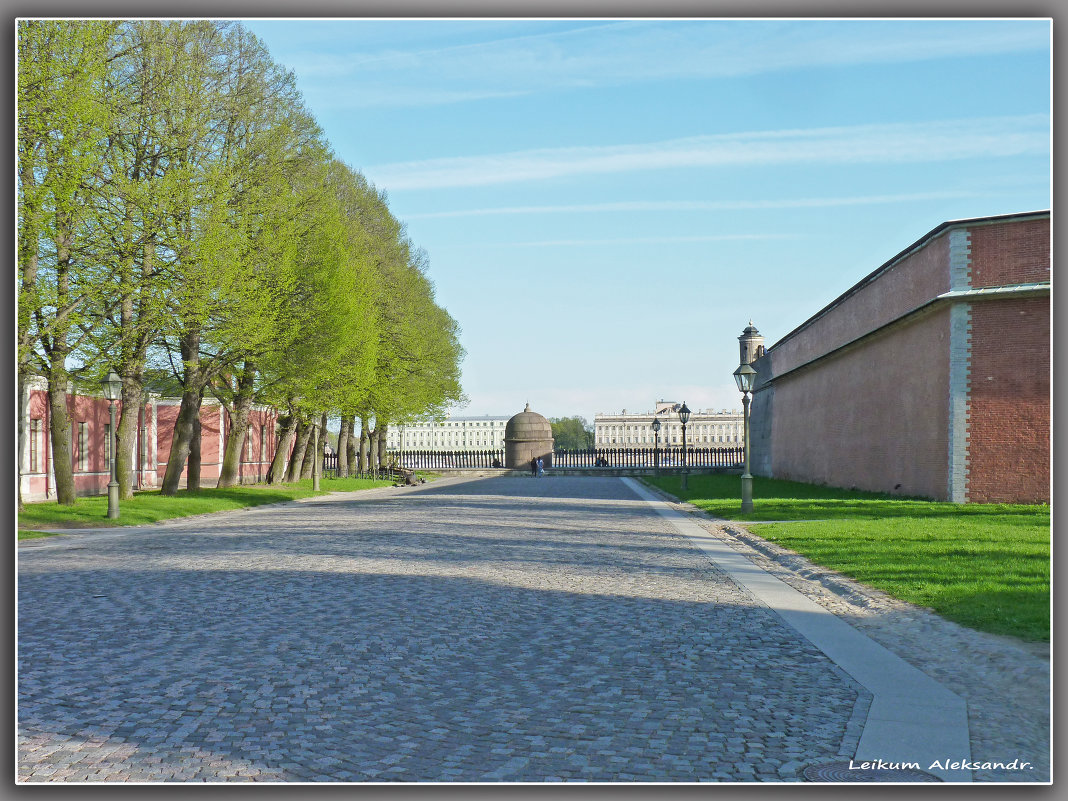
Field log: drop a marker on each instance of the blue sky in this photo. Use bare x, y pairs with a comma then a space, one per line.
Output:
607, 203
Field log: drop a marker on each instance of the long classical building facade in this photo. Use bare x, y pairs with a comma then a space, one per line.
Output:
706, 429
474, 433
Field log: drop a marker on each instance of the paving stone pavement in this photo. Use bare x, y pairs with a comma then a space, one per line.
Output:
507, 629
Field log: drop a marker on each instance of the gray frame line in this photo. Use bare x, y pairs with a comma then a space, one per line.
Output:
912, 719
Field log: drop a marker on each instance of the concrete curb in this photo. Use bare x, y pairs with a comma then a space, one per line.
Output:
913, 720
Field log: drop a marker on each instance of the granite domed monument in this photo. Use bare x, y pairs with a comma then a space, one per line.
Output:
527, 436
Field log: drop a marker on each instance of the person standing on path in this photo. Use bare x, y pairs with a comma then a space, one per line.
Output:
541, 467
534, 467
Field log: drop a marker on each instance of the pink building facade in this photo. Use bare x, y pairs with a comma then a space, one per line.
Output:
90, 424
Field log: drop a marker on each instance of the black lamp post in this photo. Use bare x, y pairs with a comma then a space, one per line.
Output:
656, 445
684, 418
112, 387
745, 375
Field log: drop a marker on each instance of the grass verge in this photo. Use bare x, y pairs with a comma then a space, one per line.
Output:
986, 566
151, 507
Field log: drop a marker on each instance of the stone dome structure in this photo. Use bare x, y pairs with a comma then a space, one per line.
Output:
527, 436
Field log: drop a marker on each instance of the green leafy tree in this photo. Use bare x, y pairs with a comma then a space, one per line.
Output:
62, 117
571, 433
141, 189
245, 138
418, 371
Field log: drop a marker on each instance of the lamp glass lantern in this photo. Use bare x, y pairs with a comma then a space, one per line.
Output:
656, 444
684, 414
112, 386
684, 418
745, 377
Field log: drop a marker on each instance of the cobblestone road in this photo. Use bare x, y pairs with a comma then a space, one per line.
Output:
506, 629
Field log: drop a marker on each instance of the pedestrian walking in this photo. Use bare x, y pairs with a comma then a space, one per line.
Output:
534, 467
541, 467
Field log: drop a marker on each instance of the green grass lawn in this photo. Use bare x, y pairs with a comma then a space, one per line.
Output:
986, 566
151, 507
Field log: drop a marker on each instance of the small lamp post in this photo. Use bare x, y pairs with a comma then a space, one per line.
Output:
112, 387
656, 445
745, 375
684, 418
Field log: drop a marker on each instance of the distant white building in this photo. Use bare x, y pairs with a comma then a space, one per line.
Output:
706, 429
485, 432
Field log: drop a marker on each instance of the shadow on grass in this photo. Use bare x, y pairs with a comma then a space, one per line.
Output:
149, 506
982, 565
775, 499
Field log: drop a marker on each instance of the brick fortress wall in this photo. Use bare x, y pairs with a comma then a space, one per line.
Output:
911, 383
1009, 393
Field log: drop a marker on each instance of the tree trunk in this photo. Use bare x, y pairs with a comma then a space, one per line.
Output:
188, 415
28, 259
342, 448
132, 367
296, 462
353, 441
320, 451
276, 473
125, 456
181, 439
56, 351
59, 428
365, 440
24, 424
372, 450
381, 428
192, 473
229, 475
308, 462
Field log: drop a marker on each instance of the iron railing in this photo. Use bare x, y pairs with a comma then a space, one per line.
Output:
669, 457
455, 460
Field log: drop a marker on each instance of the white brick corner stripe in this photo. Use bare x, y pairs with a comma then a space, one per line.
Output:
960, 259
960, 357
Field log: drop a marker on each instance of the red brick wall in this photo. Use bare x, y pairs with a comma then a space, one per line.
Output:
867, 418
911, 282
1010, 253
1009, 436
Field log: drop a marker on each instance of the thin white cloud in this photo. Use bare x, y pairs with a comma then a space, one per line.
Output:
642, 51
649, 240
702, 205
361, 96
885, 144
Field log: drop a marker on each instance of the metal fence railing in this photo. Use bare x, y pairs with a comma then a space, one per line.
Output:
669, 457
445, 460
648, 457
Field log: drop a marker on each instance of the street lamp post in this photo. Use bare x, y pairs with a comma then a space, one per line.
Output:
745, 376
656, 445
684, 418
112, 387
